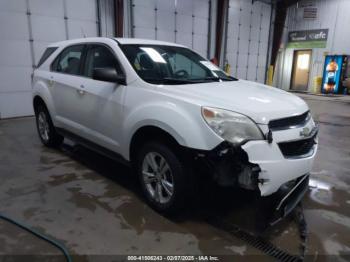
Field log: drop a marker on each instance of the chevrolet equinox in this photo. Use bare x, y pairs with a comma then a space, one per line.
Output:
175, 118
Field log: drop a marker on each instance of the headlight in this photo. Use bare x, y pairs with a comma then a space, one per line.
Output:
231, 126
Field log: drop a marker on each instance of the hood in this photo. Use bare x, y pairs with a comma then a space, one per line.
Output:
259, 102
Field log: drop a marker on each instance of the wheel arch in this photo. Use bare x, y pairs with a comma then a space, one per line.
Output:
37, 101
149, 133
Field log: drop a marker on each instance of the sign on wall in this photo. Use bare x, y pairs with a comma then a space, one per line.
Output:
308, 38
310, 13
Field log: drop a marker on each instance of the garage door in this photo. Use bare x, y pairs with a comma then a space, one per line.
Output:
181, 21
27, 27
247, 39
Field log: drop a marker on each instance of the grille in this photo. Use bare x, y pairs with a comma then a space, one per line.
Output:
285, 123
297, 148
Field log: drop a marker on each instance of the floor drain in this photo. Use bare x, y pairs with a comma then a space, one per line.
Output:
263, 245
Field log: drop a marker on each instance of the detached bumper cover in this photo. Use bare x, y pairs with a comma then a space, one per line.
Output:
276, 168
289, 198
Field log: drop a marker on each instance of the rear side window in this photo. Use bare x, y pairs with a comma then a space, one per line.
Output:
69, 61
46, 55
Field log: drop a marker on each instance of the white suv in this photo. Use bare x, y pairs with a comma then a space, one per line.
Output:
174, 117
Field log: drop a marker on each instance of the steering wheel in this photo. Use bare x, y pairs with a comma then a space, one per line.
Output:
181, 73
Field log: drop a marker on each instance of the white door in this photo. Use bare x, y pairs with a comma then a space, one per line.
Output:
102, 101
67, 83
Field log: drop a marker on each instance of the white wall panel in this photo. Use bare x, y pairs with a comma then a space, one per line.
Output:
13, 6
13, 26
40, 25
50, 8
145, 33
16, 104
165, 36
15, 53
166, 20
106, 12
144, 17
247, 41
166, 5
15, 79
21, 48
184, 39
182, 21
81, 9
79, 29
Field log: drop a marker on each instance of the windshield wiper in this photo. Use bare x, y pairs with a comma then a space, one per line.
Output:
218, 78
168, 80
215, 78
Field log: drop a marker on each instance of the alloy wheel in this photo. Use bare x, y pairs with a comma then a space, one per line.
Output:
43, 125
157, 177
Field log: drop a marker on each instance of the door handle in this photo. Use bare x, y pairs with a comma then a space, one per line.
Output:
51, 81
80, 92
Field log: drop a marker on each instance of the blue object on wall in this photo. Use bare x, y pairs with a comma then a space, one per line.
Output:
331, 74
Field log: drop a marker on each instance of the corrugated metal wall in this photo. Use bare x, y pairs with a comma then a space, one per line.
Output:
27, 27
181, 21
332, 14
247, 39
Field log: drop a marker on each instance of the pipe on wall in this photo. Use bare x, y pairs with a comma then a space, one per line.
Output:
222, 6
280, 19
118, 18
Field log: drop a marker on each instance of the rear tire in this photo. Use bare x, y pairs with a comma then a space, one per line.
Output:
46, 130
164, 179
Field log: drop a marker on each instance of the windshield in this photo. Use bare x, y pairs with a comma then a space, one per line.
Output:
159, 64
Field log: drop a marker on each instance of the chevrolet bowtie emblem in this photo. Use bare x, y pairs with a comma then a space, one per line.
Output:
305, 132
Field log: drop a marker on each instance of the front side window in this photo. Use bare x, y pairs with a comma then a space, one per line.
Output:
69, 61
99, 57
159, 64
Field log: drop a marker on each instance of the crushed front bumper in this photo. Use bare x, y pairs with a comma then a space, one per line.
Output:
275, 168
276, 164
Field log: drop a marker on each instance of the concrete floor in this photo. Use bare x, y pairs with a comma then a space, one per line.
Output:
93, 205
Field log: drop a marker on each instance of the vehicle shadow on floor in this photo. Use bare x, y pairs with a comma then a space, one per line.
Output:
242, 208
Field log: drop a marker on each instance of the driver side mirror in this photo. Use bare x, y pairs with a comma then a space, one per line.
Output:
108, 75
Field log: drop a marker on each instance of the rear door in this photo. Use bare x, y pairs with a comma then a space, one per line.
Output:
103, 101
67, 82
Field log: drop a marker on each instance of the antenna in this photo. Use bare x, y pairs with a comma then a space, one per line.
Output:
82, 31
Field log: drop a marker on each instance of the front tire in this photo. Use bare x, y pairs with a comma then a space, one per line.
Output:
163, 177
46, 130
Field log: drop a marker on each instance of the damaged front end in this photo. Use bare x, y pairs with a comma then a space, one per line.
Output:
229, 166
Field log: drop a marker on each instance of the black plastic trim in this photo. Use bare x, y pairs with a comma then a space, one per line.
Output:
93, 146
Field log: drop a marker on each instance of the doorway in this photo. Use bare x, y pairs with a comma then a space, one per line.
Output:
301, 70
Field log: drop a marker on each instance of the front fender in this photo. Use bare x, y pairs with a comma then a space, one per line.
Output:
183, 122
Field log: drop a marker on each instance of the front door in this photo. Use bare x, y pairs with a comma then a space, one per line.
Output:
301, 70
102, 101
